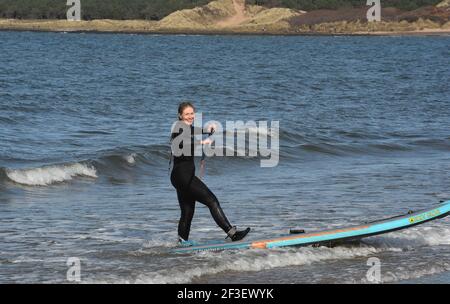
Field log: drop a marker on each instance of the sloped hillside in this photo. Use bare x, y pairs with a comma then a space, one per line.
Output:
445, 3
227, 14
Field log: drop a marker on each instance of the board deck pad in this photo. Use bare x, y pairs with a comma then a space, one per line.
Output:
333, 236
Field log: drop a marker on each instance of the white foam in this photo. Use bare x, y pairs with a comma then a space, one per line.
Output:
254, 260
401, 274
420, 236
165, 243
131, 159
49, 175
261, 131
24, 259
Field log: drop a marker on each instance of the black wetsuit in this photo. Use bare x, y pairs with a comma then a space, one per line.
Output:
191, 189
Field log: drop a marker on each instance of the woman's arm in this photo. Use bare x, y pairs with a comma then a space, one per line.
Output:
199, 130
178, 131
209, 130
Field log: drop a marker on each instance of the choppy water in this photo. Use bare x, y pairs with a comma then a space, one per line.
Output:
84, 125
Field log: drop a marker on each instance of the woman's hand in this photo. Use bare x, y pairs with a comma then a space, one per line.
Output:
211, 128
207, 141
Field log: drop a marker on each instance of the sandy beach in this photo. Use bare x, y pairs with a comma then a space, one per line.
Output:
152, 27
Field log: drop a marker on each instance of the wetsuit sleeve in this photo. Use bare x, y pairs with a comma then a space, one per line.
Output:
179, 132
199, 130
194, 131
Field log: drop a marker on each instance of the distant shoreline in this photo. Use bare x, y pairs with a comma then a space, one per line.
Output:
105, 26
205, 33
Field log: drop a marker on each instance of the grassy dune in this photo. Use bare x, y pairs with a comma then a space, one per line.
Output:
445, 3
103, 25
379, 28
229, 15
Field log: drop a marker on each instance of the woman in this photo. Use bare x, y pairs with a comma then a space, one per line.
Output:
189, 187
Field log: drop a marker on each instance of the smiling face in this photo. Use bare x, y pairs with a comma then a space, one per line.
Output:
188, 115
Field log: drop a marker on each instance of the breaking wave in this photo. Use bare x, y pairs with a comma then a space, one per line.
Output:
50, 174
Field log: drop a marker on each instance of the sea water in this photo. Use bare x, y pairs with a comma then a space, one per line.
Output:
84, 155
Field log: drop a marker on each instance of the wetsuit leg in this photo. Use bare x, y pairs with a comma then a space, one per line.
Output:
187, 205
202, 194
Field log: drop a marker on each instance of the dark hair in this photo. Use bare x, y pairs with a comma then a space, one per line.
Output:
183, 106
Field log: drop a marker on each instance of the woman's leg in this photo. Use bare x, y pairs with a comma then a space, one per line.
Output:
201, 193
187, 206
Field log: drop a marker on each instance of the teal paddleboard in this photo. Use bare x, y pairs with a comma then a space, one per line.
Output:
334, 236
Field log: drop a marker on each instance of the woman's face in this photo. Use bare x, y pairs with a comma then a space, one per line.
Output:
188, 115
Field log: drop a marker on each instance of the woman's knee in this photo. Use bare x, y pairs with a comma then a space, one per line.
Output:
187, 212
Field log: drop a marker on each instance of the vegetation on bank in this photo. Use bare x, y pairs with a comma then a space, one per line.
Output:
309, 5
95, 9
158, 9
